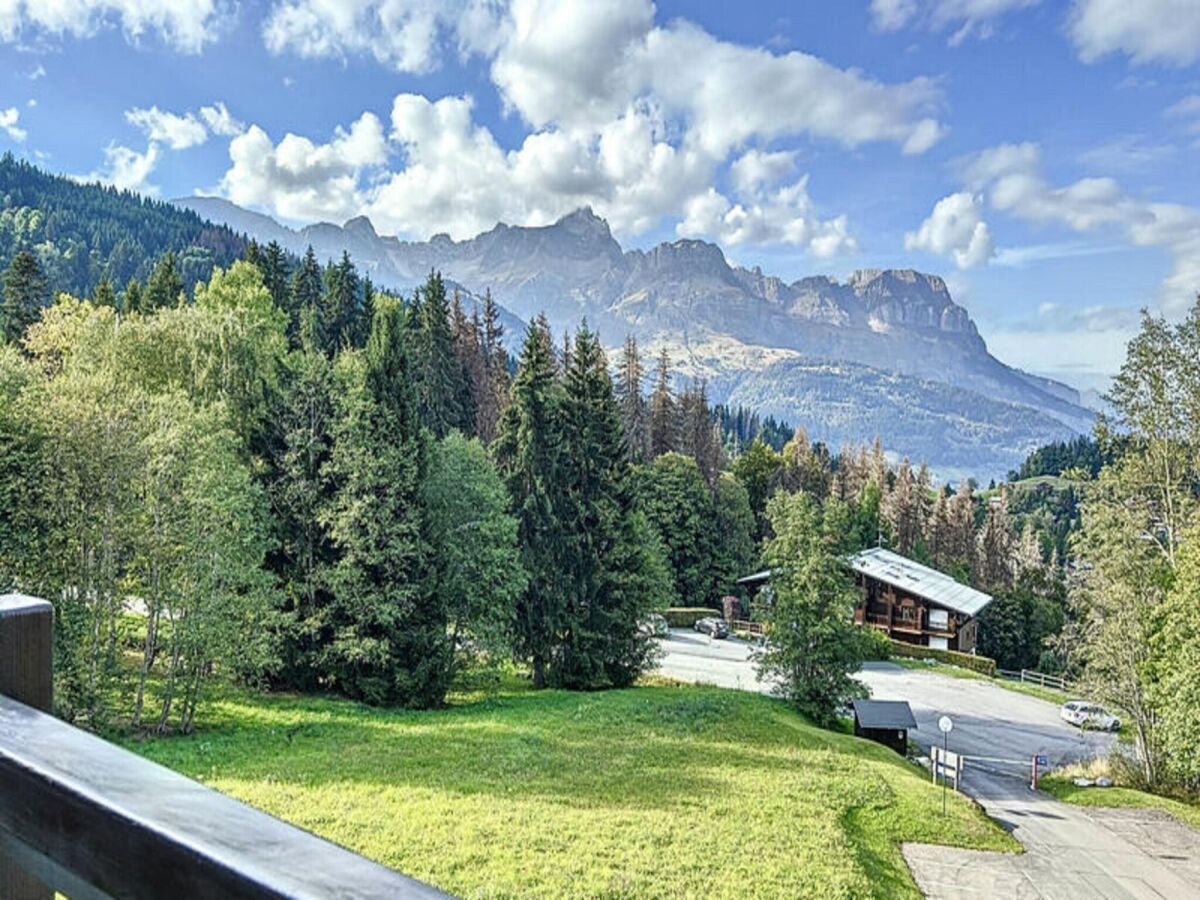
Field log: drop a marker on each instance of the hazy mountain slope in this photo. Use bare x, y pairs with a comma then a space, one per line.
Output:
884, 352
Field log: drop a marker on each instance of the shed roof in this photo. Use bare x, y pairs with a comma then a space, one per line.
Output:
883, 714
756, 578
929, 584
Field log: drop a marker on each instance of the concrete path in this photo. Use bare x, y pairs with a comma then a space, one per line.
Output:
1071, 852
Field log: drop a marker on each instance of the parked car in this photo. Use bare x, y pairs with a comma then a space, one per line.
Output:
1089, 716
718, 628
654, 625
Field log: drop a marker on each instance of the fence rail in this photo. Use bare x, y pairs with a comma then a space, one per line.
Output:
755, 628
1028, 676
83, 816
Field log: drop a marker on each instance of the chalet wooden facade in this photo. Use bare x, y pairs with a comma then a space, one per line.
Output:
905, 600
914, 603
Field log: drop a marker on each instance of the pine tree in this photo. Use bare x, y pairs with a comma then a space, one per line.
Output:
439, 375
472, 380
996, 543
529, 451
663, 426
698, 436
24, 287
274, 268
341, 308
131, 297
104, 295
634, 416
307, 290
601, 644
300, 490
960, 541
494, 399
902, 510
389, 635
164, 287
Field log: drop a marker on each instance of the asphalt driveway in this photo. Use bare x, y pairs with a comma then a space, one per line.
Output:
1071, 852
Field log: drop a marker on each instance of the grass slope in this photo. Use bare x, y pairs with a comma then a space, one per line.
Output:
653, 791
1063, 787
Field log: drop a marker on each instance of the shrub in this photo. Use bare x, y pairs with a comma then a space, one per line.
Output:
686, 616
877, 646
983, 664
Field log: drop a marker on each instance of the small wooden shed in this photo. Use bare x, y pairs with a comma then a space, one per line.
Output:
884, 722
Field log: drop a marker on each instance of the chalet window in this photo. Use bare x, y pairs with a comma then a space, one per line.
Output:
939, 620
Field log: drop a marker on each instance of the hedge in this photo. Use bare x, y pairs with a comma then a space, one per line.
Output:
983, 664
686, 616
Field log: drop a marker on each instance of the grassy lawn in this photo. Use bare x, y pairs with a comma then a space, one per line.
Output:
1062, 786
654, 791
1033, 690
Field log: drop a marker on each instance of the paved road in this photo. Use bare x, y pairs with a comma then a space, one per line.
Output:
1070, 852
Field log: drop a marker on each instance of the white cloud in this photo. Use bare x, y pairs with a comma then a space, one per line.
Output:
8, 124
219, 121
967, 17
38, 71
301, 180
127, 169
402, 34
177, 132
1188, 111
784, 216
1011, 176
754, 169
185, 25
1161, 31
634, 119
955, 228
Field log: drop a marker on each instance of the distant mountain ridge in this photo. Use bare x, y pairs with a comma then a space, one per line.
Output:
884, 352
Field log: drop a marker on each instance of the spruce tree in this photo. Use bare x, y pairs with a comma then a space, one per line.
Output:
341, 307
24, 287
131, 297
439, 375
529, 450
472, 379
634, 416
663, 430
104, 294
493, 400
300, 490
164, 287
307, 290
601, 645
389, 633
275, 275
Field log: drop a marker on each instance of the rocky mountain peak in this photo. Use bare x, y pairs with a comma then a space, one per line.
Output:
360, 227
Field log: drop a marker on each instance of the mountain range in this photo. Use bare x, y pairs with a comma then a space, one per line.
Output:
884, 352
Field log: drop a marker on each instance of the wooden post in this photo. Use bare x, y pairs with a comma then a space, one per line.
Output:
26, 675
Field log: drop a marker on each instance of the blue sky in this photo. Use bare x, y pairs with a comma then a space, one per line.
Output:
1040, 155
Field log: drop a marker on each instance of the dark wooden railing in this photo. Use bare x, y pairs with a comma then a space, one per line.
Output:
84, 817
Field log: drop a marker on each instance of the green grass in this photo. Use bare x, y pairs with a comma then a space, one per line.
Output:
1062, 786
655, 791
1050, 695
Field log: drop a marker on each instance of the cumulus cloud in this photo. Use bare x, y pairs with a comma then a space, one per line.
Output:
635, 119
185, 25
219, 121
967, 18
1158, 31
300, 179
1012, 179
127, 169
177, 132
955, 228
8, 124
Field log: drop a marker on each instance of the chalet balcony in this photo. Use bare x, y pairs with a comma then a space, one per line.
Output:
82, 817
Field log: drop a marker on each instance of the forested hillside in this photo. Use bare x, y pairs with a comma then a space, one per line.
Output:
82, 232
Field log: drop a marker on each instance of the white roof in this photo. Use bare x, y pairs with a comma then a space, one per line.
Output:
930, 584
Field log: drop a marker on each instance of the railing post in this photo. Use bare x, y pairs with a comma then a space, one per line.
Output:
26, 675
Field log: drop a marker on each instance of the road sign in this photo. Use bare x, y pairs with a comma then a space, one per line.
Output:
945, 725
1041, 760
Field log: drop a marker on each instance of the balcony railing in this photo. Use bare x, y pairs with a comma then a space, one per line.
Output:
83, 817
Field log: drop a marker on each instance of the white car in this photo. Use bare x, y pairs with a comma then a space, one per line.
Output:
1089, 716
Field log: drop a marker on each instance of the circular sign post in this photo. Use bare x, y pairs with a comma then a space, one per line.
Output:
945, 726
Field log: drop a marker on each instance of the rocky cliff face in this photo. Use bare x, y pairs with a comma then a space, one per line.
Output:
884, 352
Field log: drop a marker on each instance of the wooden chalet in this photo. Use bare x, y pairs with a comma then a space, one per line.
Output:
914, 603
904, 599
